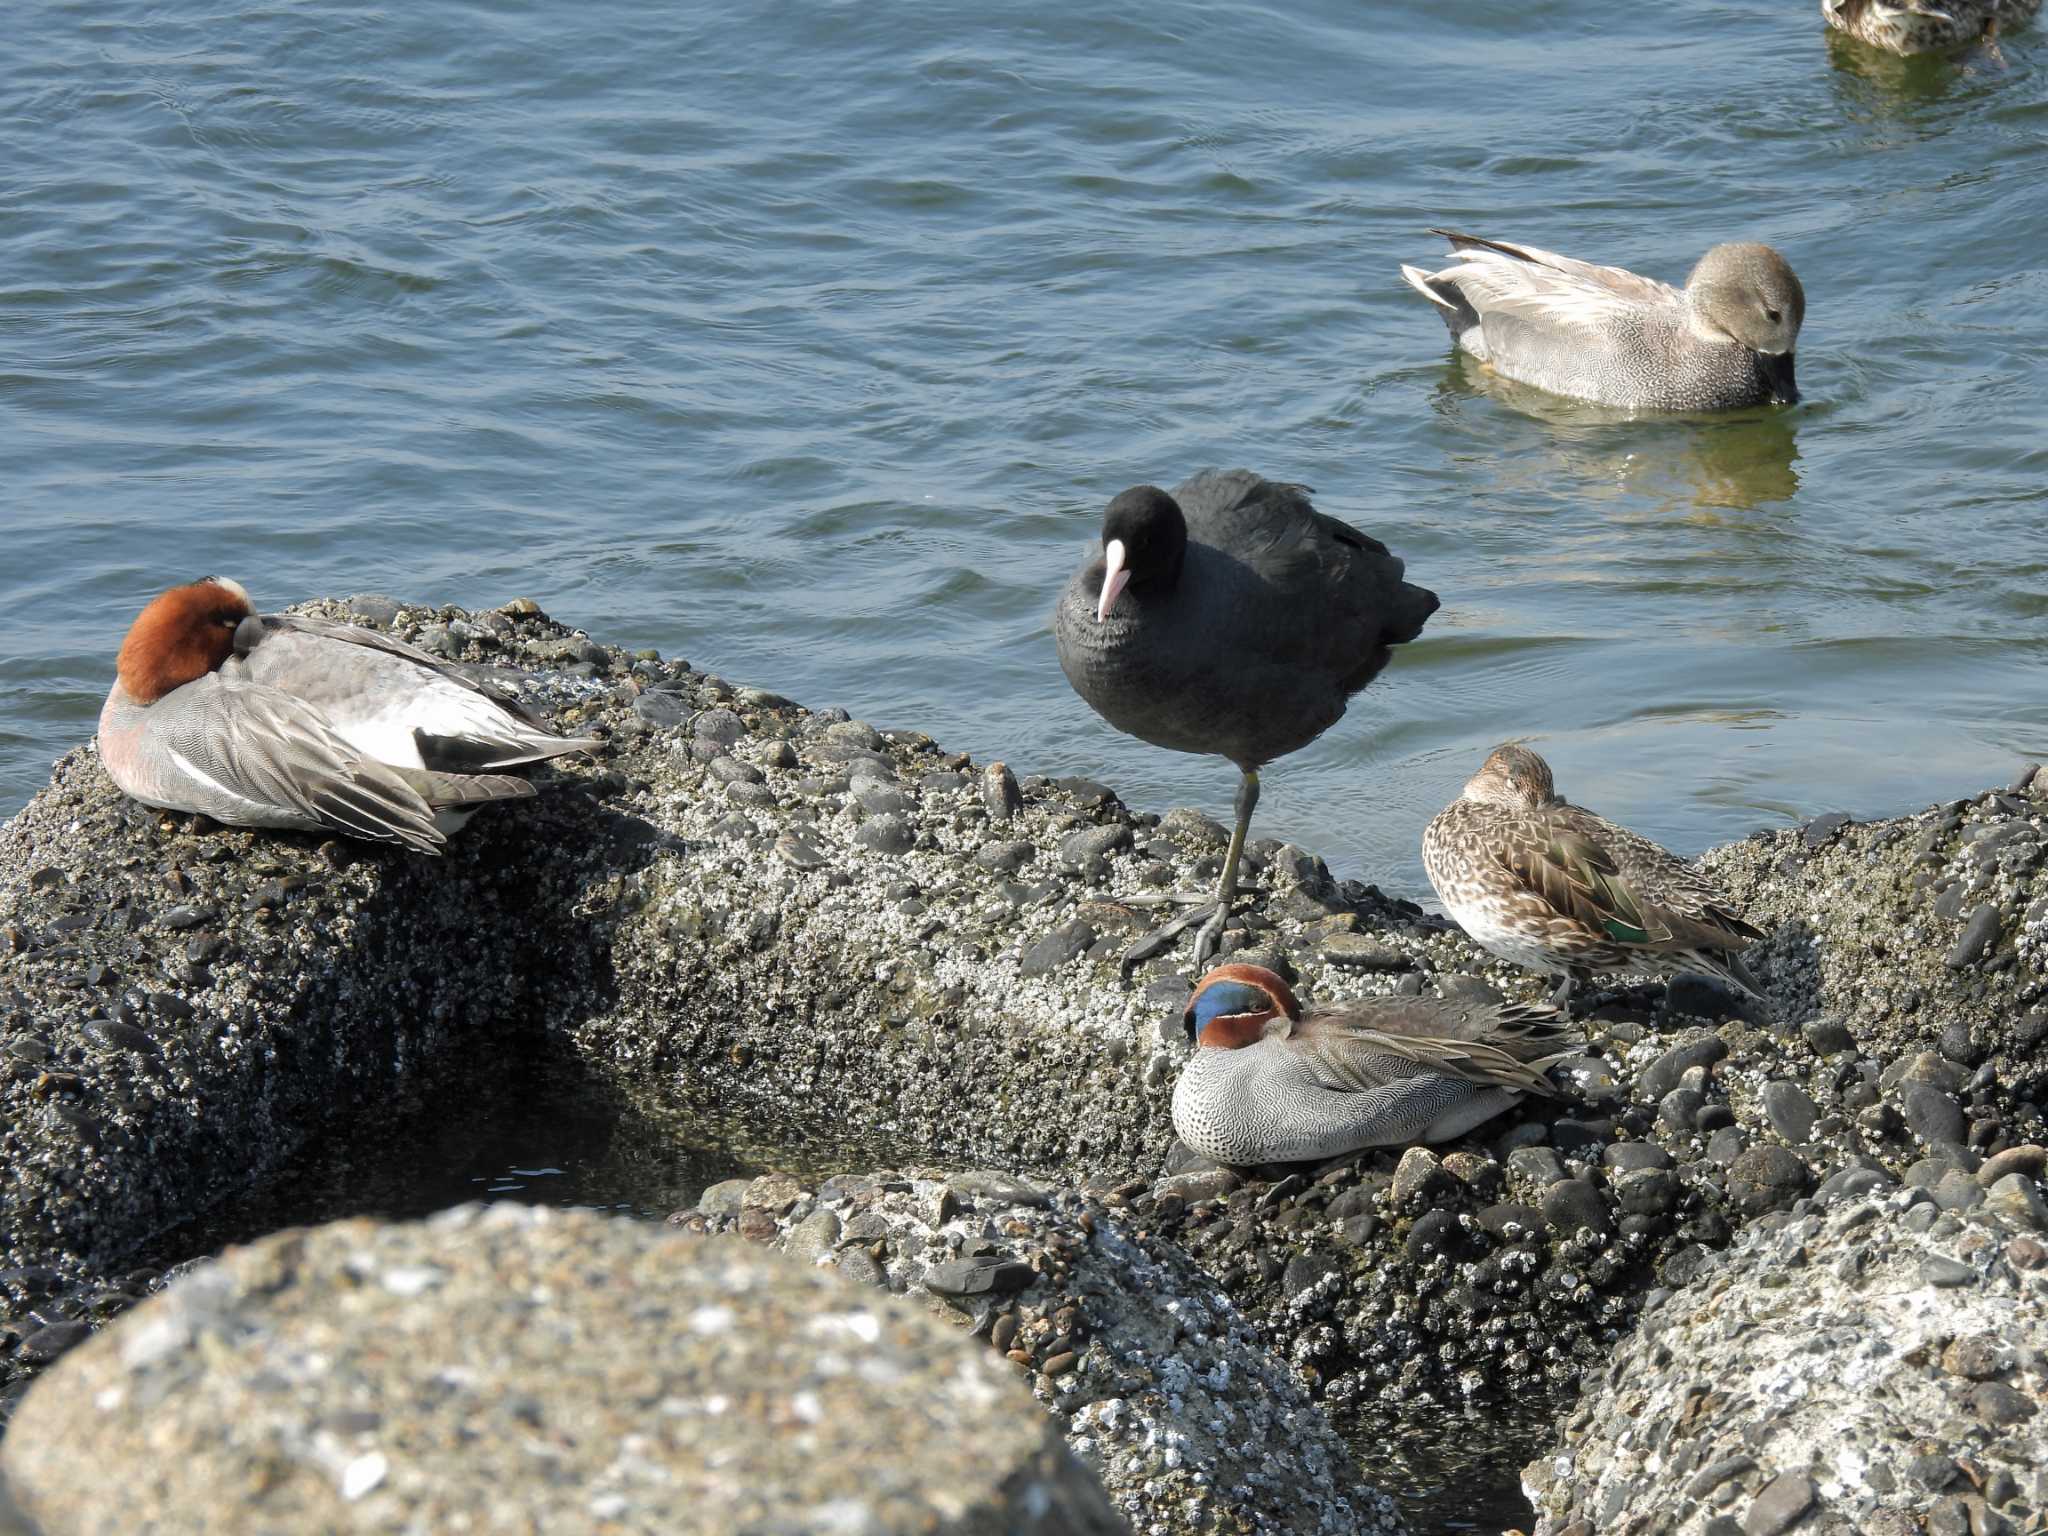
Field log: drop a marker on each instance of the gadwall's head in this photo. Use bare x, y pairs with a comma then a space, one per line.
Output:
181, 636
1513, 776
1144, 540
1747, 292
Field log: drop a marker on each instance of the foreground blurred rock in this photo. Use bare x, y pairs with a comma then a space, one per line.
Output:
512, 1369
1161, 1386
835, 937
1877, 1366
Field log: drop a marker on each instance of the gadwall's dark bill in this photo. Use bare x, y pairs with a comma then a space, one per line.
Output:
1924, 26
1230, 617
278, 721
1267, 1084
1602, 334
1557, 889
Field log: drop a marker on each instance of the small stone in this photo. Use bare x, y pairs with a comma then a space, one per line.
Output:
1193, 828
1539, 1167
719, 726
1976, 1357
2018, 1199
47, 1343
855, 733
2030, 1160
1822, 829
1790, 1110
1663, 1074
731, 770
799, 852
1980, 932
1680, 1108
1067, 942
723, 1198
1083, 849
879, 799
1827, 1036
1931, 1114
1955, 1190
1360, 953
1481, 1175
1781, 1504
187, 915
660, 709
1945, 1273
1998, 1405
1005, 858
1420, 1180
978, 1277
1766, 1178
1439, 1234
1572, 1205
886, 834
999, 792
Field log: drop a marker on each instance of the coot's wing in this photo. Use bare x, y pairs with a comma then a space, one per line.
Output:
1326, 596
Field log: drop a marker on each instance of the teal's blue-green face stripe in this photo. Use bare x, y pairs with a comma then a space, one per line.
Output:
1226, 998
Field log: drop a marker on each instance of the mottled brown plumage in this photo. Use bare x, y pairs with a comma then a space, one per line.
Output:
1561, 890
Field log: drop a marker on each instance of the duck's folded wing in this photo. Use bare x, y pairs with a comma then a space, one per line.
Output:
264, 747
458, 724
1680, 888
1351, 1054
1618, 281
1644, 900
391, 645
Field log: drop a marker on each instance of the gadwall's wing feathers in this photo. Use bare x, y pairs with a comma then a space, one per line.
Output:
268, 748
1529, 261
1376, 1041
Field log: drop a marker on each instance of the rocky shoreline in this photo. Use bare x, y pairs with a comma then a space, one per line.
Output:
854, 942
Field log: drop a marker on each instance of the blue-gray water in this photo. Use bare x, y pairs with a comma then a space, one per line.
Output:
807, 341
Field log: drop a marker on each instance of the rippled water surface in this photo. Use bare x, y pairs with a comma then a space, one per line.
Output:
807, 341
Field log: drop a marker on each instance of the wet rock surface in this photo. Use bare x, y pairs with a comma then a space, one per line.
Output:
519, 1369
1160, 1386
1836, 1371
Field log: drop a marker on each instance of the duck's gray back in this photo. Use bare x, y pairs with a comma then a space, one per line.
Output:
1280, 615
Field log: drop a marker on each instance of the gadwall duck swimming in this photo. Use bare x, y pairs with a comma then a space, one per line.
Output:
280, 721
1559, 890
1924, 26
1230, 617
1609, 336
1267, 1084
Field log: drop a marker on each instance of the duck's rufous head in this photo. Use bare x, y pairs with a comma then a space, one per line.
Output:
1232, 1005
181, 636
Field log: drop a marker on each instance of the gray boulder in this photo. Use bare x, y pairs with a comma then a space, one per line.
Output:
518, 1369
1858, 1369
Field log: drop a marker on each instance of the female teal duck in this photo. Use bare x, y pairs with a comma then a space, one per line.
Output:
1554, 887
